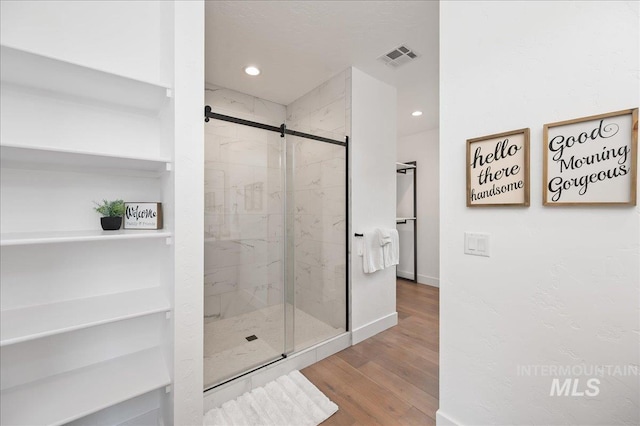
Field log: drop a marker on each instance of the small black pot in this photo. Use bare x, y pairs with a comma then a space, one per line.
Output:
111, 223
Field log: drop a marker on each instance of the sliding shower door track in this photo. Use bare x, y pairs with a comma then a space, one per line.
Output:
282, 129
283, 356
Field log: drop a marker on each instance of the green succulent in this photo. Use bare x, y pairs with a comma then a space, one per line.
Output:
110, 208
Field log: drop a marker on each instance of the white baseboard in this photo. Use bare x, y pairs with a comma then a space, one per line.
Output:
444, 420
374, 327
422, 279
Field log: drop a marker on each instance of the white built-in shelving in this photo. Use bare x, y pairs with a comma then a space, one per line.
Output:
34, 322
78, 99
65, 397
55, 237
65, 159
34, 71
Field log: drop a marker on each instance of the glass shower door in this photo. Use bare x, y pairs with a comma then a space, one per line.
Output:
244, 250
275, 227
316, 255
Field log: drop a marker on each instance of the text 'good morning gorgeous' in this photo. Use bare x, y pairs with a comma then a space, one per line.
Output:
596, 165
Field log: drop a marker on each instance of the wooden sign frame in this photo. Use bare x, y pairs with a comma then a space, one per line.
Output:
498, 169
591, 161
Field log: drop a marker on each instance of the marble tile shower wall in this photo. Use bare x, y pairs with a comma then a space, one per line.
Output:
243, 206
318, 194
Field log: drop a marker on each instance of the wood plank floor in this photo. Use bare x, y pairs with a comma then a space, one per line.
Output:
391, 378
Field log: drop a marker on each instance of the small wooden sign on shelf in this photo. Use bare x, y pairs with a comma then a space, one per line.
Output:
142, 215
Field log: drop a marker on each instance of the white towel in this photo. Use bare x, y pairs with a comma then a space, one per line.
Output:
384, 235
372, 255
391, 251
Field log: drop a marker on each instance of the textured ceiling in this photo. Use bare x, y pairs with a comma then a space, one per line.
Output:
300, 44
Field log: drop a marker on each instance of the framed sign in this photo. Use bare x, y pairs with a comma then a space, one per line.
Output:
591, 160
498, 169
142, 215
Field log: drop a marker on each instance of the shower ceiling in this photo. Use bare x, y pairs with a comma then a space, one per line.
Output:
300, 44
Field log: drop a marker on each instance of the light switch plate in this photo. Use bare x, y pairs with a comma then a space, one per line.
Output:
476, 244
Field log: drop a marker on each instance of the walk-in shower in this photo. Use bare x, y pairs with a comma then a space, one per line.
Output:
275, 241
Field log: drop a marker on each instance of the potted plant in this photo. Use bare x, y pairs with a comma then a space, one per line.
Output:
112, 212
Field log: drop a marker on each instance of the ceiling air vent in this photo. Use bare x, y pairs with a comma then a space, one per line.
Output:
398, 56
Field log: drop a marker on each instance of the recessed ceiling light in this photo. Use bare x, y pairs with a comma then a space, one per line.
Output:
251, 70
416, 113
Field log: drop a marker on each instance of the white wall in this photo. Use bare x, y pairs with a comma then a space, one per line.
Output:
561, 286
423, 148
188, 69
373, 198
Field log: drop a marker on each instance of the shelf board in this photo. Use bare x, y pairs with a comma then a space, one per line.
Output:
404, 166
62, 159
69, 396
41, 72
28, 238
33, 322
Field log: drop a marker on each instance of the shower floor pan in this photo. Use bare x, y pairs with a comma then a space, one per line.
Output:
238, 344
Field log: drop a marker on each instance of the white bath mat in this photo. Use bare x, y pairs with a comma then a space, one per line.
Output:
289, 400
